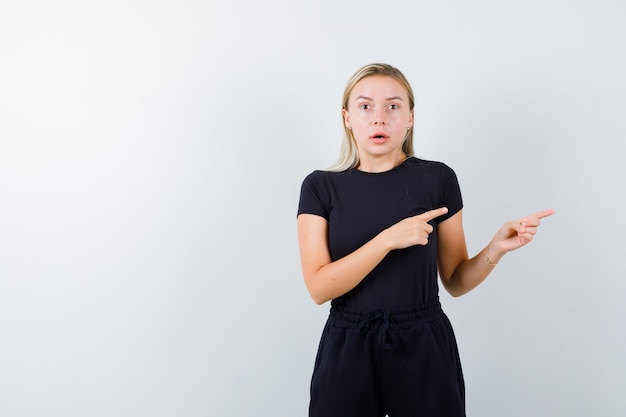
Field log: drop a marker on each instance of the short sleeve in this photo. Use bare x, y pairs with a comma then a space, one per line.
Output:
450, 193
312, 198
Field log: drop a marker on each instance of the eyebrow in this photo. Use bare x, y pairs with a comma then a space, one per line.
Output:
371, 99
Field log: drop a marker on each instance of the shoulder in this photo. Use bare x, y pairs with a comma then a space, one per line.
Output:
316, 193
316, 175
321, 176
435, 168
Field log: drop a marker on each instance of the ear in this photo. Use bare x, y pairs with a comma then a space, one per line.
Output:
411, 119
346, 118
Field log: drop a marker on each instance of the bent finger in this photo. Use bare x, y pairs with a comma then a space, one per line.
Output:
531, 230
525, 238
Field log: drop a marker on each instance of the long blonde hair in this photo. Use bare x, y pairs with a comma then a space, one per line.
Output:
349, 155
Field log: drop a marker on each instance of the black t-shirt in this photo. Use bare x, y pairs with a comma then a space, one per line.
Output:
358, 205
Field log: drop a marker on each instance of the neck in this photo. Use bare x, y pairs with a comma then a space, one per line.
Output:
381, 163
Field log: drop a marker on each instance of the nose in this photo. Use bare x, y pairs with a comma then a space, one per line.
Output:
379, 117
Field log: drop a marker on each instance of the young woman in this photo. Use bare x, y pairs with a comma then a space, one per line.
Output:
375, 231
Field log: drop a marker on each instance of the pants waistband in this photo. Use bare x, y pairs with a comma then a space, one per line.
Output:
388, 320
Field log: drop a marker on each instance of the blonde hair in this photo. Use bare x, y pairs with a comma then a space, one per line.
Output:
349, 155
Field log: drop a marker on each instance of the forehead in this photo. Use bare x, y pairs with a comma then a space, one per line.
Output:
378, 87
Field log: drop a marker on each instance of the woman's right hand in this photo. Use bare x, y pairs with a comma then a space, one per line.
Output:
413, 230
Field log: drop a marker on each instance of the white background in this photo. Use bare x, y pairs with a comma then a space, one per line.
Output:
151, 156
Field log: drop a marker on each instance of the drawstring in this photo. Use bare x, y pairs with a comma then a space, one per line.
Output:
386, 338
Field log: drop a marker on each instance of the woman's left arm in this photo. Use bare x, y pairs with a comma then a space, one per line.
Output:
459, 273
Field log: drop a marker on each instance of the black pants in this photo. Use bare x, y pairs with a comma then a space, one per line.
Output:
401, 364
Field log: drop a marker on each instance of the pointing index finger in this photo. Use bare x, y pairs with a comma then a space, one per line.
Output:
429, 215
544, 213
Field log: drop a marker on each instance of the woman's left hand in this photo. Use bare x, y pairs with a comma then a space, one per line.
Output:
517, 233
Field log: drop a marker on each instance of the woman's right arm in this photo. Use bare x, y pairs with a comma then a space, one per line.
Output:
326, 279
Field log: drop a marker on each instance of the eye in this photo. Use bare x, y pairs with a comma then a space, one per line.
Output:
394, 107
364, 106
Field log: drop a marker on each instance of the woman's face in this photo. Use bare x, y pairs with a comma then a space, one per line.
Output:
379, 115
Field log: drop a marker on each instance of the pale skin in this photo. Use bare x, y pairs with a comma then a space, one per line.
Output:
378, 115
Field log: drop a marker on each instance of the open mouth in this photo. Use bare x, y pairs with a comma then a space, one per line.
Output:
379, 137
